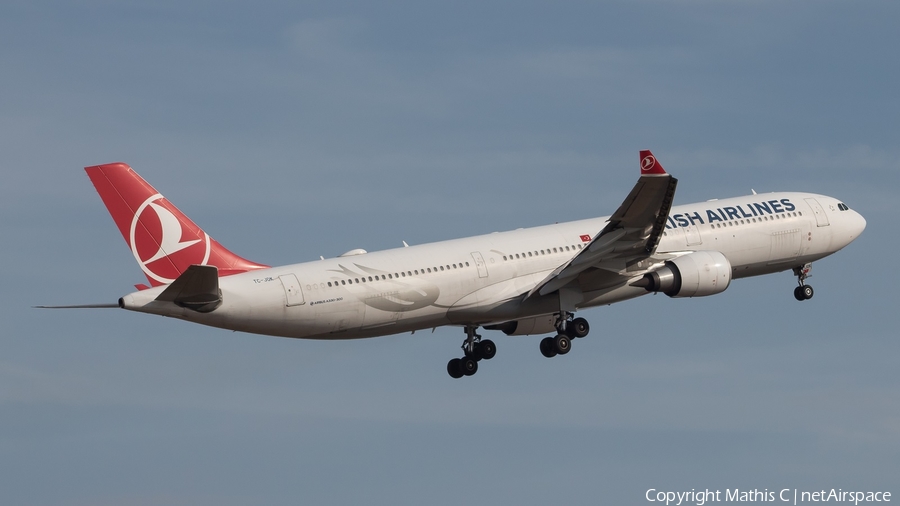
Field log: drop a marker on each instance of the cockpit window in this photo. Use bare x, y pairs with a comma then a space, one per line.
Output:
843, 207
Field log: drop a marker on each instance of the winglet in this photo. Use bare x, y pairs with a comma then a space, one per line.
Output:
649, 164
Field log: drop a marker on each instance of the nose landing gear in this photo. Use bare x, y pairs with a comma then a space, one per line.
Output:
803, 291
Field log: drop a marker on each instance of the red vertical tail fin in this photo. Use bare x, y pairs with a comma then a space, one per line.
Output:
163, 240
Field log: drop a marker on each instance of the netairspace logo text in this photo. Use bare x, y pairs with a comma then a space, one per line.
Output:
785, 495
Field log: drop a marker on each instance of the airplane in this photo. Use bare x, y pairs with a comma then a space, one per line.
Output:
523, 282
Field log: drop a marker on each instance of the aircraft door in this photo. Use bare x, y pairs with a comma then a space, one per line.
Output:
479, 264
293, 295
785, 246
821, 218
692, 235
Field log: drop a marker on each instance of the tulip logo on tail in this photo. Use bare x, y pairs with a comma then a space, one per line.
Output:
161, 244
647, 163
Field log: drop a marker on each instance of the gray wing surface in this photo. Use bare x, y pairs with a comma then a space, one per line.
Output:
632, 233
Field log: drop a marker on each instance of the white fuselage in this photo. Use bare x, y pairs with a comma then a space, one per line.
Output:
483, 279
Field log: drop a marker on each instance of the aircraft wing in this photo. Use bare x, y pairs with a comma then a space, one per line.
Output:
632, 233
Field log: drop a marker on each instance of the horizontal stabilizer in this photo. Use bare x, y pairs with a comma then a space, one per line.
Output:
197, 288
79, 306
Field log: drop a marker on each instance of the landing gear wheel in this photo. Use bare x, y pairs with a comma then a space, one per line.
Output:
454, 368
487, 349
804, 292
578, 328
562, 344
807, 292
468, 366
548, 347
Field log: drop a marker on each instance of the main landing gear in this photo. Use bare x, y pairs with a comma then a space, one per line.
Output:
568, 329
474, 350
804, 291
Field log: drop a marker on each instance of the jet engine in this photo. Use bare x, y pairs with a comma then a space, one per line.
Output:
696, 274
526, 326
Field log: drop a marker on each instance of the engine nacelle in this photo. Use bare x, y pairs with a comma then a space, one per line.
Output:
696, 274
527, 326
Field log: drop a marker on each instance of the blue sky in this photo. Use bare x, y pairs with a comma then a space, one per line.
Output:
290, 130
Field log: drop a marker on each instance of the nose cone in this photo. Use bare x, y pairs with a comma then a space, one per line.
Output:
850, 227
856, 224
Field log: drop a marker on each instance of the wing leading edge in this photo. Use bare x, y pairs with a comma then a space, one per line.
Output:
632, 233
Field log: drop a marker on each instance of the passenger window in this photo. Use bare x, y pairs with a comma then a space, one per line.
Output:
403, 274
442, 267
329, 284
467, 264
343, 282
